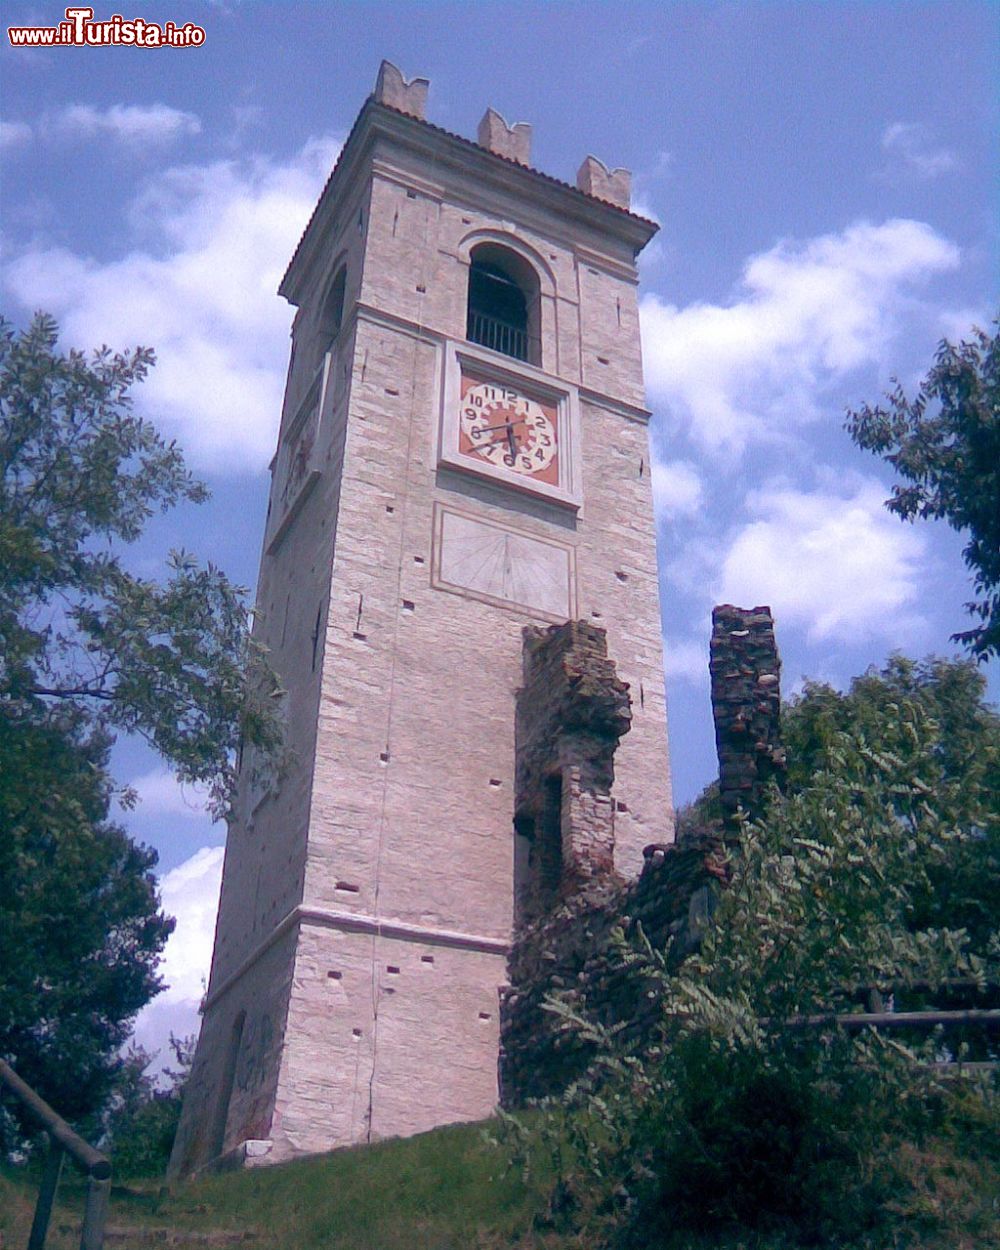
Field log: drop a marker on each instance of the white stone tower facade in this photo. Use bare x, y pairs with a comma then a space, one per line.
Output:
463, 452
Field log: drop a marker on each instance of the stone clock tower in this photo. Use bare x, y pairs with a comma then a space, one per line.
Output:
463, 453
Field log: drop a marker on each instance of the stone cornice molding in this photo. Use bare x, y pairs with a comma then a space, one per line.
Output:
358, 922
427, 334
474, 165
631, 412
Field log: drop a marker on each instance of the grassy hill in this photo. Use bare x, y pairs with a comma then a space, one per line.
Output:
440, 1191
447, 1190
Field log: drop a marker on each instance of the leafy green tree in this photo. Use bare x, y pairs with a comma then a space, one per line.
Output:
82, 474
961, 771
945, 445
87, 650
145, 1110
80, 925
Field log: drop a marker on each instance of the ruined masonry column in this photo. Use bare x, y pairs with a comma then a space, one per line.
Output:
746, 704
571, 712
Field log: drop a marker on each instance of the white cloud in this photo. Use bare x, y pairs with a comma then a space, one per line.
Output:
912, 152
686, 660
677, 488
161, 794
806, 315
643, 207
190, 893
202, 294
133, 124
13, 134
832, 561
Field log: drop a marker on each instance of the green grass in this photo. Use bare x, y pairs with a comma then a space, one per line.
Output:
447, 1190
444, 1190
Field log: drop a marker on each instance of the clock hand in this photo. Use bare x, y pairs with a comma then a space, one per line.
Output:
486, 429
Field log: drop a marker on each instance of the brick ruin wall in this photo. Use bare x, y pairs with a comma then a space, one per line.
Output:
575, 911
746, 703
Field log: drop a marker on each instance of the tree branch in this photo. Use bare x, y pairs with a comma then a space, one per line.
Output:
70, 692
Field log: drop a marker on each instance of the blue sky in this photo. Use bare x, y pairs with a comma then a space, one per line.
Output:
824, 176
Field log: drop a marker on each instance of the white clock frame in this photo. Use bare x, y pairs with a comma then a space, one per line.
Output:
492, 367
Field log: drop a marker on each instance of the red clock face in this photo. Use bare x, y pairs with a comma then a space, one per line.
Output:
502, 426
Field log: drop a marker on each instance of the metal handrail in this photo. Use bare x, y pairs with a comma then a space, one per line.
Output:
63, 1141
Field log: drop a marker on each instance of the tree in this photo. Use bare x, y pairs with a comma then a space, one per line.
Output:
87, 650
961, 771
80, 925
945, 444
142, 1120
80, 471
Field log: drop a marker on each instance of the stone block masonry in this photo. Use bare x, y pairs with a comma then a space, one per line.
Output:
746, 704
575, 952
369, 891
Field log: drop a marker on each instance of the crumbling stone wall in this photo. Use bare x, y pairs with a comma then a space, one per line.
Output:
573, 947
572, 710
746, 703
576, 951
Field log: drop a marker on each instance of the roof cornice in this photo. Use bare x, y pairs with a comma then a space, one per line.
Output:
446, 151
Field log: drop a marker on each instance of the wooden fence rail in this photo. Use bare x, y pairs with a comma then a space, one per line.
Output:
63, 1141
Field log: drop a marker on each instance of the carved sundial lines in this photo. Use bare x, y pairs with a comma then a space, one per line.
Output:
492, 561
476, 561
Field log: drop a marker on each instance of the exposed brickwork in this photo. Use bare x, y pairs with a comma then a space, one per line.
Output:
513, 142
576, 950
746, 703
393, 89
571, 712
613, 185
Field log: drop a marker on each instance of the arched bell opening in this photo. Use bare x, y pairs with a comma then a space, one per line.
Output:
503, 305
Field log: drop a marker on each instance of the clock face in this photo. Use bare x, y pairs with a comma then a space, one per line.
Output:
504, 427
